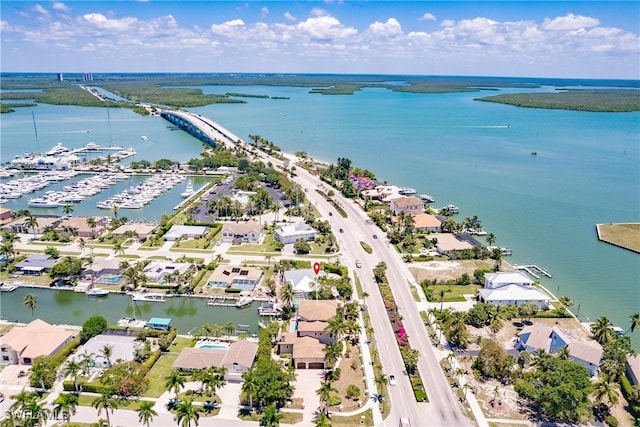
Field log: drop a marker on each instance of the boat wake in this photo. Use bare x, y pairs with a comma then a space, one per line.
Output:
71, 131
473, 126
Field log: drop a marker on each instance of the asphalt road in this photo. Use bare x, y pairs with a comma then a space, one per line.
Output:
442, 410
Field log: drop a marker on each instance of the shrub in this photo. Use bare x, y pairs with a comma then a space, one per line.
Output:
611, 421
233, 290
95, 325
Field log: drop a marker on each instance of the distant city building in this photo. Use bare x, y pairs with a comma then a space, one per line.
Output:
87, 77
60, 77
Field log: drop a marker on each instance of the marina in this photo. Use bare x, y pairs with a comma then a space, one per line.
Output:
138, 196
78, 191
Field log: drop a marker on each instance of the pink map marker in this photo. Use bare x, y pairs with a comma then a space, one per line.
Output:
316, 267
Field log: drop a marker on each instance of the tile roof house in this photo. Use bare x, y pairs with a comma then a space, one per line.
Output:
35, 264
307, 344
23, 344
81, 227
19, 224
241, 232
447, 243
551, 340
140, 229
292, 233
5, 215
406, 204
238, 358
426, 222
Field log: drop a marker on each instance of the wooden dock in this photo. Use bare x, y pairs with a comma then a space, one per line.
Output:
533, 270
222, 302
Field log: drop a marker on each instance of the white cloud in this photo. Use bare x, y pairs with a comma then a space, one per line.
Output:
61, 7
39, 9
325, 28
427, 17
290, 17
100, 21
316, 11
569, 22
264, 11
389, 29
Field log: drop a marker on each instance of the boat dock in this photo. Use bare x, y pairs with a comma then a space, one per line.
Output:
533, 270
222, 301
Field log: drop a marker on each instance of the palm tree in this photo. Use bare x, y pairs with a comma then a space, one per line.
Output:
174, 381
187, 412
65, 406
115, 208
605, 390
37, 413
31, 222
229, 328
107, 351
146, 412
82, 244
271, 416
117, 248
92, 223
601, 330
442, 293
31, 300
87, 361
287, 296
105, 401
206, 330
380, 380
325, 391
322, 420
250, 386
565, 302
72, 368
634, 322
67, 209
491, 239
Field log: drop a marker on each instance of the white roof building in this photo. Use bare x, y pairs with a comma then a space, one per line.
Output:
512, 288
157, 270
178, 231
293, 233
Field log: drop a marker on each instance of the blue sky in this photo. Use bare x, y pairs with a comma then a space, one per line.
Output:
588, 39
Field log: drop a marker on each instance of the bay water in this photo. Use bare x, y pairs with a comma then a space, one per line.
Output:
473, 154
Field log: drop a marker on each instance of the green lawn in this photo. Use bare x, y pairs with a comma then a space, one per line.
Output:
268, 245
180, 343
366, 418
87, 400
157, 374
452, 293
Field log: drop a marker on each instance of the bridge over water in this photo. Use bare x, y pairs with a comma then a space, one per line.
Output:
200, 127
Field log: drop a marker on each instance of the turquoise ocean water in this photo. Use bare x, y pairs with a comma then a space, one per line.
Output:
473, 154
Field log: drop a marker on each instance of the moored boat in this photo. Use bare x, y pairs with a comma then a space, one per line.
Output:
97, 292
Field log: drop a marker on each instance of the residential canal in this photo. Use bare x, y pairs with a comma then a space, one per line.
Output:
72, 308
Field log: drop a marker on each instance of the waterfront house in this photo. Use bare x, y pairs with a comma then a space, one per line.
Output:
5, 215
292, 233
237, 358
139, 229
104, 270
303, 281
380, 192
633, 369
179, 231
80, 227
241, 232
406, 204
317, 310
123, 349
230, 276
426, 223
35, 265
21, 345
512, 288
19, 225
552, 340
448, 243
157, 271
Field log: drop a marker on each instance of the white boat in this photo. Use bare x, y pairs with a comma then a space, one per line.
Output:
406, 190
97, 292
7, 288
92, 146
244, 301
189, 191
143, 137
147, 297
43, 203
269, 308
131, 322
57, 150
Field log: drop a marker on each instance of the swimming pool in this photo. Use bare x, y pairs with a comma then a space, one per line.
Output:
209, 345
110, 280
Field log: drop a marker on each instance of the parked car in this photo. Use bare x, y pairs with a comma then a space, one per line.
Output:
375, 236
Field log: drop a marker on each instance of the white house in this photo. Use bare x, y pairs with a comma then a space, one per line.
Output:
157, 270
512, 288
243, 232
179, 231
303, 281
292, 233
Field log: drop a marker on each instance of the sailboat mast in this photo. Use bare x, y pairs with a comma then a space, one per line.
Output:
35, 128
